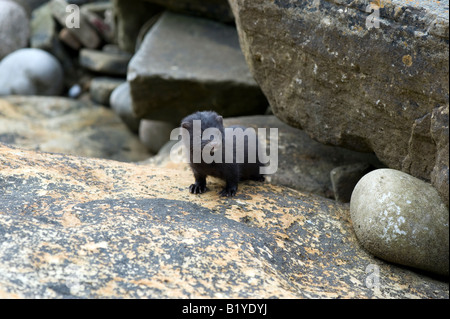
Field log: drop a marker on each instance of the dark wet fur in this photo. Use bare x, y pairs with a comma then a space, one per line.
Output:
231, 173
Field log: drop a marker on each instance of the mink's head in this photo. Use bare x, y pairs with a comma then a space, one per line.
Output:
207, 120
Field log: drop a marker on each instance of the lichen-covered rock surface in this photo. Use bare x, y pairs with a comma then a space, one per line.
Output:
73, 227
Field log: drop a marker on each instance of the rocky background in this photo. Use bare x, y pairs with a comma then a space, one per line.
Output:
92, 206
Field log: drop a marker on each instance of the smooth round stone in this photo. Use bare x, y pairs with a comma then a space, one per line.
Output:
154, 134
401, 219
121, 102
31, 72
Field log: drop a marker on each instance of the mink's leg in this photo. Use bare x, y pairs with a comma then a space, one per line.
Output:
200, 184
229, 190
232, 180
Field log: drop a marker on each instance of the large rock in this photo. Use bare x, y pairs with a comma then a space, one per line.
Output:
101, 88
31, 72
87, 228
43, 28
111, 63
187, 63
324, 68
401, 219
120, 102
14, 27
67, 126
214, 9
154, 134
131, 15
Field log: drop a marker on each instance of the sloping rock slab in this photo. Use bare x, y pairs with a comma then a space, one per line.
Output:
327, 67
61, 125
187, 63
86, 228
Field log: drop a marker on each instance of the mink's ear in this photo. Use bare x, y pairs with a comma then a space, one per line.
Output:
219, 119
186, 125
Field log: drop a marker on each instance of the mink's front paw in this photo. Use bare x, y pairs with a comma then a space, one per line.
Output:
228, 192
197, 188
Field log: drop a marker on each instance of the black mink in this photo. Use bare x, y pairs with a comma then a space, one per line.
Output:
228, 170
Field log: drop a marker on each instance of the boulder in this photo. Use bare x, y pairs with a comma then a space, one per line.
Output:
102, 87
109, 63
131, 15
187, 63
67, 126
43, 28
30, 5
349, 80
402, 219
154, 134
120, 102
213, 9
14, 27
44, 36
76, 227
31, 72
69, 39
344, 179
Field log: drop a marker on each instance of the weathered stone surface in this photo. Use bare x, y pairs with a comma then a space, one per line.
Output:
131, 16
214, 9
44, 36
86, 228
111, 63
67, 126
344, 179
154, 134
69, 39
98, 15
187, 63
30, 5
120, 102
303, 164
14, 27
439, 133
31, 72
102, 87
350, 85
43, 28
402, 219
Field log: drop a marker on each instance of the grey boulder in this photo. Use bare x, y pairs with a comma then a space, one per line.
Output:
31, 72
327, 68
401, 219
186, 64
